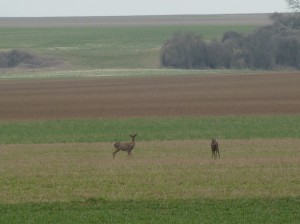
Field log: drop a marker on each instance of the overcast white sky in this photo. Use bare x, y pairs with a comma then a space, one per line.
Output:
45, 8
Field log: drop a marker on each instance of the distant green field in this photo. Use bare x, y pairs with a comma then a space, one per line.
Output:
105, 47
148, 129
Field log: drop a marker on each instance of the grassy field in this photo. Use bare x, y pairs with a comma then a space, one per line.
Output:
161, 170
255, 181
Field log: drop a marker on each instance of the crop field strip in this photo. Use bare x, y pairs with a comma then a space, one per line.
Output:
267, 94
149, 129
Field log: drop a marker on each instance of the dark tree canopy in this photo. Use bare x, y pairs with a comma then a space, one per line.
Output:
184, 50
20, 58
268, 47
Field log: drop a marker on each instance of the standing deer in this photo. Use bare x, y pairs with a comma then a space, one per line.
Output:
214, 148
125, 146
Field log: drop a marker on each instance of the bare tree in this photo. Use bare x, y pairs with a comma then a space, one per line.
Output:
125, 146
294, 4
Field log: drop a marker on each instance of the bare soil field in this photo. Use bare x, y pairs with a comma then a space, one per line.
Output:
230, 19
246, 94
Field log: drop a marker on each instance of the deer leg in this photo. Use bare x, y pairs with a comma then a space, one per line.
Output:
219, 153
130, 155
115, 152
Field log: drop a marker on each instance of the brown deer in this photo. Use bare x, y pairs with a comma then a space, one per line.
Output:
214, 148
125, 146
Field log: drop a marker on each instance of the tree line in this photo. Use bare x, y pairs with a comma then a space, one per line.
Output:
269, 47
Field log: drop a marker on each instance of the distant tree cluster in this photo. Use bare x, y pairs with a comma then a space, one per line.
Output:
14, 58
19, 58
268, 47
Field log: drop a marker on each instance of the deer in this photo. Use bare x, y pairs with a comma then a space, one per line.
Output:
214, 148
125, 146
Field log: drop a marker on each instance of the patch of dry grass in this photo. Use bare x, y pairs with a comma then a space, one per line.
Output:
159, 170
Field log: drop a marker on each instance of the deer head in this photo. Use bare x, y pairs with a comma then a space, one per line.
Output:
133, 136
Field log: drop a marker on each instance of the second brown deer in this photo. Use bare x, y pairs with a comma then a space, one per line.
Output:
125, 146
214, 148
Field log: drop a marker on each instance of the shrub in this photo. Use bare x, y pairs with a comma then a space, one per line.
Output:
19, 58
231, 36
233, 52
14, 58
288, 51
215, 54
259, 49
184, 50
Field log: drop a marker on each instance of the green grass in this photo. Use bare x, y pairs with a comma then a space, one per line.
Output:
160, 170
104, 47
283, 210
255, 181
148, 129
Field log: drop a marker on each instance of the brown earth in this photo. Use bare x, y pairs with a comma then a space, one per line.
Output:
246, 94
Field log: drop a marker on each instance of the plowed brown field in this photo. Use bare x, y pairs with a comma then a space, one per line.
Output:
245, 94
